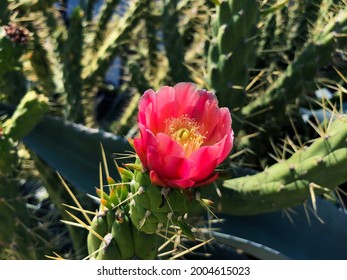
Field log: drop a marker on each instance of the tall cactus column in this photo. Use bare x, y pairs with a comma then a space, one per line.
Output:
184, 136
17, 223
269, 110
231, 52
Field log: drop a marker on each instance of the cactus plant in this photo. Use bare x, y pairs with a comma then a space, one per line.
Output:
264, 60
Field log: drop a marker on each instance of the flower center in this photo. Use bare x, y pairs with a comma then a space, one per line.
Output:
187, 132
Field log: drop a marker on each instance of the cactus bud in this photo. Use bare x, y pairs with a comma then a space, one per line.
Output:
17, 34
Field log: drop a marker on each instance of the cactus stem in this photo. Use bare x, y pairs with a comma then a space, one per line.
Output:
164, 193
105, 203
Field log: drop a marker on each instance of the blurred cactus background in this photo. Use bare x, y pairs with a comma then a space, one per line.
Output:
72, 73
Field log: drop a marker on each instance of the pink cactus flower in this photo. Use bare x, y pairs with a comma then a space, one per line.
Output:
184, 136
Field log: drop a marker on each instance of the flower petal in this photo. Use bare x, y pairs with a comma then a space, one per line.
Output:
223, 128
167, 146
203, 162
155, 179
176, 167
181, 183
166, 106
213, 177
186, 98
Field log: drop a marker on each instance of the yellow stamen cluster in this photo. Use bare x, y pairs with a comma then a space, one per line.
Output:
187, 132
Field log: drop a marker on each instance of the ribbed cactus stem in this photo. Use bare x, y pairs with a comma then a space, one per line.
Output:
109, 49
134, 213
104, 16
13, 39
8, 156
269, 109
155, 208
89, 8
303, 23
112, 234
27, 115
41, 65
4, 14
319, 168
72, 66
173, 43
47, 50
231, 51
120, 239
151, 23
